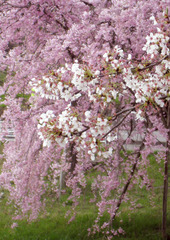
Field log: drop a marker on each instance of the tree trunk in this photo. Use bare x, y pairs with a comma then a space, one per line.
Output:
61, 183
72, 156
165, 191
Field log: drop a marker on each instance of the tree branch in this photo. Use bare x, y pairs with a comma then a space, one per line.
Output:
89, 5
123, 111
149, 66
127, 183
19, 6
117, 125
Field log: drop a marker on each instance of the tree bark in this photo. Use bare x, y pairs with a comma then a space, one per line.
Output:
72, 156
165, 190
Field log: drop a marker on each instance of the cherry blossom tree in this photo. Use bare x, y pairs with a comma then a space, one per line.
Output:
94, 70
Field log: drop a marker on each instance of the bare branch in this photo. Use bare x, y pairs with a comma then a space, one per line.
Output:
127, 183
19, 6
89, 5
117, 125
123, 111
149, 66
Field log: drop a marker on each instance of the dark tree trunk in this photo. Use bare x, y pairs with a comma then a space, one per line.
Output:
165, 190
73, 156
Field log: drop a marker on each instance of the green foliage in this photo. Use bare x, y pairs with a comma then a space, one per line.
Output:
2, 97
88, 74
2, 108
25, 98
2, 78
22, 95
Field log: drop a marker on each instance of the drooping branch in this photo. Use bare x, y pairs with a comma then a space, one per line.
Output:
132, 172
117, 125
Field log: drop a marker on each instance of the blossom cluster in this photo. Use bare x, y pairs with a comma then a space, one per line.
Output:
150, 81
67, 127
65, 83
70, 83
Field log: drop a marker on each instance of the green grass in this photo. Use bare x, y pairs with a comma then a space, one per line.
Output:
141, 223
51, 227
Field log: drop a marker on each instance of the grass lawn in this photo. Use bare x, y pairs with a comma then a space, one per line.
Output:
142, 223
